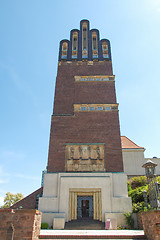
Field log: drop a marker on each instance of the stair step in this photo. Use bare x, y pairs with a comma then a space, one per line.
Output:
92, 234
87, 224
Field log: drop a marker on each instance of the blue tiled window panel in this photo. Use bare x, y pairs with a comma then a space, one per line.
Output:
99, 108
83, 109
91, 108
105, 55
107, 108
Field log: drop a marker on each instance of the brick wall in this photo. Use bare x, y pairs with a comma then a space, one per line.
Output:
151, 224
84, 127
139, 220
28, 202
68, 91
26, 224
94, 127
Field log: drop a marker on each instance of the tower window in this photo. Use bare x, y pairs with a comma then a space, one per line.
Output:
99, 108
64, 50
105, 50
91, 108
107, 108
84, 41
83, 108
94, 45
74, 45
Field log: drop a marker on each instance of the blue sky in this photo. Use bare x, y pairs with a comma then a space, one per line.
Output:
30, 32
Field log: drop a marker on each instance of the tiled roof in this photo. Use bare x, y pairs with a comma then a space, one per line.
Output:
127, 143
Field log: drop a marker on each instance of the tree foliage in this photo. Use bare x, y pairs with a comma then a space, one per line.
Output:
11, 199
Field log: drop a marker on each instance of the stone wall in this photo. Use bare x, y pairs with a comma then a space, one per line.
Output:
22, 224
151, 224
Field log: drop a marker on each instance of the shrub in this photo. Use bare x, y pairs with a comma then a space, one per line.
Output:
129, 220
140, 207
129, 186
138, 181
158, 179
44, 225
137, 194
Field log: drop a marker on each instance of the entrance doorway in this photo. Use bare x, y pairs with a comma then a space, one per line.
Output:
85, 207
91, 208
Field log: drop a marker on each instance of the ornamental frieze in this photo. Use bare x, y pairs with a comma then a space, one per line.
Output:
85, 157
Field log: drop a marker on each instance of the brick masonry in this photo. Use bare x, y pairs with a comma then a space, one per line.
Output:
151, 224
68, 91
139, 220
28, 202
82, 127
26, 224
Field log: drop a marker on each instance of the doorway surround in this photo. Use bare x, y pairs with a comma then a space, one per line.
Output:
97, 201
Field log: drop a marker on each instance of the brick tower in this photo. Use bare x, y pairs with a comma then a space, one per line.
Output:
85, 168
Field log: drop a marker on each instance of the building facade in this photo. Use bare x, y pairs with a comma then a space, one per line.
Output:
85, 176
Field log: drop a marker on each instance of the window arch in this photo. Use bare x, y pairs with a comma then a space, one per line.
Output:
64, 50
74, 45
105, 49
94, 45
84, 41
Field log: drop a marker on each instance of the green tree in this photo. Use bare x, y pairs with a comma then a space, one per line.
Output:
11, 199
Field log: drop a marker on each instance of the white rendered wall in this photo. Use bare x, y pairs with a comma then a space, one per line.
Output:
132, 161
56, 191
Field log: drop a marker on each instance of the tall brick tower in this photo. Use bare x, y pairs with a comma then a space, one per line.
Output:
85, 168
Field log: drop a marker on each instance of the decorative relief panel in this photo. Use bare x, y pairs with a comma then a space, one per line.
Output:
85, 157
94, 78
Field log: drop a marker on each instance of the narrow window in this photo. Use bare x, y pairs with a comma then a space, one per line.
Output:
99, 108
74, 45
37, 201
91, 108
105, 50
84, 41
105, 79
83, 109
64, 50
107, 108
94, 45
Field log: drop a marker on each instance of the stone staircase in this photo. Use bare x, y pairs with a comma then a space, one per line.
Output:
92, 234
85, 224
90, 229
